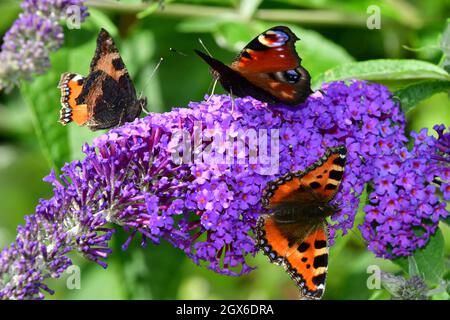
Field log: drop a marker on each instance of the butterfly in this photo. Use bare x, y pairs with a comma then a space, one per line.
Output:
295, 234
268, 69
106, 97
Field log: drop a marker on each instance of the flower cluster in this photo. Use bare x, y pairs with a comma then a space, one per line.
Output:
400, 288
33, 36
404, 208
163, 177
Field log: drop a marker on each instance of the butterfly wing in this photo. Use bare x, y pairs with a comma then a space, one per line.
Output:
306, 261
271, 51
107, 97
271, 62
71, 86
319, 182
107, 57
268, 69
232, 81
295, 234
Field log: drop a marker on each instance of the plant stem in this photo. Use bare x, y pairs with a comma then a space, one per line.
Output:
306, 17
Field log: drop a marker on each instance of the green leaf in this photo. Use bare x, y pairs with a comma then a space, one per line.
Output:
383, 69
98, 283
413, 269
247, 8
446, 220
150, 10
445, 46
101, 20
42, 98
429, 260
201, 24
400, 11
154, 272
141, 64
413, 94
9, 9
318, 53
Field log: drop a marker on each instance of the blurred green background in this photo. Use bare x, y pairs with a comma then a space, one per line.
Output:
332, 33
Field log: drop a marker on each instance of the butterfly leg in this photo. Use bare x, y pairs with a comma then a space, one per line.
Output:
122, 114
232, 100
213, 89
145, 110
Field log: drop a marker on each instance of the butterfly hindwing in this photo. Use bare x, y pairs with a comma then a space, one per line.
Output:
71, 86
235, 83
307, 263
302, 251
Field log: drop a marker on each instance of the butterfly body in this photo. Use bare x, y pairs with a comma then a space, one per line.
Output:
106, 97
295, 234
268, 69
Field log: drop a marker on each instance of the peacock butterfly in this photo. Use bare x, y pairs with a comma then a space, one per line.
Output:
268, 69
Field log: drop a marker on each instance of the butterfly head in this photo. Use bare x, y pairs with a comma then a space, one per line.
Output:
134, 111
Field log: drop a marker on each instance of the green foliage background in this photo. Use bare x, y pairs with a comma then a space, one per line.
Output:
334, 42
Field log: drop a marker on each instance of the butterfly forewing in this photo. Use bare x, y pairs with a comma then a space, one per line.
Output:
107, 57
271, 51
268, 69
319, 181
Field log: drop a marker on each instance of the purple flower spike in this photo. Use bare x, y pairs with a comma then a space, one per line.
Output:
195, 176
405, 209
33, 36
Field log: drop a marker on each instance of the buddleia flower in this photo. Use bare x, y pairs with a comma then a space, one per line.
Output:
36, 33
195, 177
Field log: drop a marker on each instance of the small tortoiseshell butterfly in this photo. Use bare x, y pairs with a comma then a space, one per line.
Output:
106, 97
268, 69
295, 234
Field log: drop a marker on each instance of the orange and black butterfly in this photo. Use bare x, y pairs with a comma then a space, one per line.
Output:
106, 97
268, 69
295, 234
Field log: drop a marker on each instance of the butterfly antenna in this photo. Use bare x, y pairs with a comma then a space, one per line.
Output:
156, 68
232, 101
213, 89
148, 81
178, 52
215, 80
204, 47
